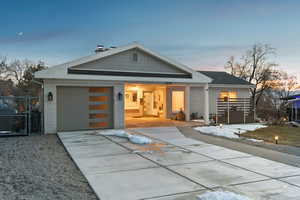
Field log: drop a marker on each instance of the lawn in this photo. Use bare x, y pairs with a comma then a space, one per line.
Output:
287, 135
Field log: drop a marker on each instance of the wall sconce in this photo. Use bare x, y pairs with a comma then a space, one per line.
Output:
50, 96
120, 96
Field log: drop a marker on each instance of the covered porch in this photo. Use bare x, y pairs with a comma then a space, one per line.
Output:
150, 105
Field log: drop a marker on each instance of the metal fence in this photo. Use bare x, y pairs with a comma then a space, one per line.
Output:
234, 110
19, 115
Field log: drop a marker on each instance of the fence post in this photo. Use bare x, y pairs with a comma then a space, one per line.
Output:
228, 106
28, 99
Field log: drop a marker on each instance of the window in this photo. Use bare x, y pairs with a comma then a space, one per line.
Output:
177, 101
135, 57
228, 94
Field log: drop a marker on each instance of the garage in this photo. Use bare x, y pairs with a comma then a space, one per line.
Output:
83, 108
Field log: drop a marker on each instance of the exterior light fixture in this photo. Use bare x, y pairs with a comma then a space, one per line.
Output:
221, 125
50, 96
120, 96
276, 139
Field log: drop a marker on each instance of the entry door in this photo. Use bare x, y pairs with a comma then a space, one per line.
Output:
148, 103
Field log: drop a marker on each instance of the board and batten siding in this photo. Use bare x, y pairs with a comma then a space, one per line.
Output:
124, 62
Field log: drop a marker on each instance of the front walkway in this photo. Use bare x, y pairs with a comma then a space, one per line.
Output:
175, 167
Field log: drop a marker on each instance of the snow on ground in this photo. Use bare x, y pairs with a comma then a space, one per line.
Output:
220, 195
229, 131
136, 139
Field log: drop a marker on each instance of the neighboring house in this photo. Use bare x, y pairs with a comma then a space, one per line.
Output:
294, 106
129, 82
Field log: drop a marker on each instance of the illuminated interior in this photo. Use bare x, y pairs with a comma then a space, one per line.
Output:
145, 100
177, 101
228, 94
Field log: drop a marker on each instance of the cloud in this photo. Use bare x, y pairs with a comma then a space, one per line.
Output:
34, 36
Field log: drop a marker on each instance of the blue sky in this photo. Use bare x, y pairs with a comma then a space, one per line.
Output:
198, 33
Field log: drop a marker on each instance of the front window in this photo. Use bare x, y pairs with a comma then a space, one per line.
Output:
177, 101
225, 95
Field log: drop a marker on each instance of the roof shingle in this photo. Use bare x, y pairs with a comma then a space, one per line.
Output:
220, 77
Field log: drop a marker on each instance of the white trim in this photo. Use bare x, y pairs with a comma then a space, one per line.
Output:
105, 70
60, 71
230, 86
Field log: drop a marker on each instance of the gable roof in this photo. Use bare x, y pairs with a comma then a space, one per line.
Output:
220, 77
61, 71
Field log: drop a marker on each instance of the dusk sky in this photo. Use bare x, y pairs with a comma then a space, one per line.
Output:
199, 33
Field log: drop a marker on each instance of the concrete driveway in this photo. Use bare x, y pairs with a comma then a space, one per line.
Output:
175, 167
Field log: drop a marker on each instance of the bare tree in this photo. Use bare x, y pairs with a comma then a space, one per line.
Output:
16, 69
255, 68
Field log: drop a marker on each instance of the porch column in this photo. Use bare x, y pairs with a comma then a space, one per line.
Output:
187, 102
119, 110
206, 104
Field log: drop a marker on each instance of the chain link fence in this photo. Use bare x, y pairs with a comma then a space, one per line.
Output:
20, 115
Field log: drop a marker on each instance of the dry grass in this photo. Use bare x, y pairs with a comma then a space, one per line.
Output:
287, 135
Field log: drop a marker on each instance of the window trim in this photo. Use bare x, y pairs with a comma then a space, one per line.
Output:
183, 100
135, 57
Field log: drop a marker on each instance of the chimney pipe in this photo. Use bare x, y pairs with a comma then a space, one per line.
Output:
99, 48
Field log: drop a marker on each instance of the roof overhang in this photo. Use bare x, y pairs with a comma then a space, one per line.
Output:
231, 86
69, 71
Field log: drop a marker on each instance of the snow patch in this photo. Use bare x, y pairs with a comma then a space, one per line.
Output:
220, 195
136, 139
229, 131
115, 132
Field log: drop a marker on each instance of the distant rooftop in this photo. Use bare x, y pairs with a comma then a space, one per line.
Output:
220, 77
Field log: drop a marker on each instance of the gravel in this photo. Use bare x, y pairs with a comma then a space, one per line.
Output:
38, 167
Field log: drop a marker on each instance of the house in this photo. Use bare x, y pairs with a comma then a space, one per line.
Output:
293, 110
129, 82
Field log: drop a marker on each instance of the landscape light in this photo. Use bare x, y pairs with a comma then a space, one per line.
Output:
276, 139
221, 125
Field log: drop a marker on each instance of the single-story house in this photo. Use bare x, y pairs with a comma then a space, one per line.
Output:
103, 89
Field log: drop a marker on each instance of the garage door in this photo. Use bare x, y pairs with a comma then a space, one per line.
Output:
82, 108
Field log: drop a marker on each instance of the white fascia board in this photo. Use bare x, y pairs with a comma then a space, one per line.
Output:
230, 86
60, 71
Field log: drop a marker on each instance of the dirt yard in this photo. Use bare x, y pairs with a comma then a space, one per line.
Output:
38, 167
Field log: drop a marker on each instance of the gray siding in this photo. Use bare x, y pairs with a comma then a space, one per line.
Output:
197, 98
124, 62
197, 101
214, 94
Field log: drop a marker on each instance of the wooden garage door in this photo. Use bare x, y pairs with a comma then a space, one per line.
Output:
82, 108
